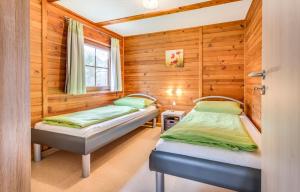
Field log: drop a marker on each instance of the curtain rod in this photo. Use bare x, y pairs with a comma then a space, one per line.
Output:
68, 19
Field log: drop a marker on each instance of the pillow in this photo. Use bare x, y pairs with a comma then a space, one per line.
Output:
135, 102
229, 107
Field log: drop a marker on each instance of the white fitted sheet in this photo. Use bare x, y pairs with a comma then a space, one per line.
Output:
93, 129
242, 158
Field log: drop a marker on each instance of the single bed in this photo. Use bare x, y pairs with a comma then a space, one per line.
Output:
89, 139
236, 170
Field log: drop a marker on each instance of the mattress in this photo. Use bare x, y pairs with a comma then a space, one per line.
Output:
241, 158
97, 128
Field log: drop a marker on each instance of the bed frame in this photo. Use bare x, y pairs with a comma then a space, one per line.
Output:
234, 177
85, 146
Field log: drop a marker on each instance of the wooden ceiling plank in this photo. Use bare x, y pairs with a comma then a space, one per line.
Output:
201, 5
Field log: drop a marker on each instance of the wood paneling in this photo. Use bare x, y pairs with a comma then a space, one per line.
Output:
48, 61
253, 61
45, 57
145, 69
14, 98
58, 102
214, 64
200, 5
223, 60
36, 60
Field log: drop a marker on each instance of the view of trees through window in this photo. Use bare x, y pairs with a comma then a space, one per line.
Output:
96, 66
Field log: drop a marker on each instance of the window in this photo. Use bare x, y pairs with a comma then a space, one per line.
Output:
97, 67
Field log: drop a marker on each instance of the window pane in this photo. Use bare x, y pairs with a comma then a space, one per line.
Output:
89, 55
102, 77
102, 58
90, 76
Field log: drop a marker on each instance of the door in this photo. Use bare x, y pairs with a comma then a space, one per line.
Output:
14, 96
281, 104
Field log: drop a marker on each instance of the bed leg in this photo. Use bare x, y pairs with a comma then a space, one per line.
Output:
160, 182
154, 123
86, 162
37, 150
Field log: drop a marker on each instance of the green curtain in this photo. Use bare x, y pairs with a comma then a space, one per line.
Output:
75, 75
115, 73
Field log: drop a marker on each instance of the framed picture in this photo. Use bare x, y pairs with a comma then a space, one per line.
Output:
174, 58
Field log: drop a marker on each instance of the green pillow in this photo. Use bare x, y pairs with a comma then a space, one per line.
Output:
229, 107
135, 102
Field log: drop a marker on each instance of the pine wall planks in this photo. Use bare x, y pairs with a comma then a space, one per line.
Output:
36, 60
58, 102
145, 70
223, 60
48, 61
253, 61
214, 64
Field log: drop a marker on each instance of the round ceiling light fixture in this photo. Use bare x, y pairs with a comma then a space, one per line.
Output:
150, 4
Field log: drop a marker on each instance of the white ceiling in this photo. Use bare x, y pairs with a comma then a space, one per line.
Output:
103, 10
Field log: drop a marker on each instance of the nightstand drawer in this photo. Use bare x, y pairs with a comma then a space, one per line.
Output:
170, 118
170, 122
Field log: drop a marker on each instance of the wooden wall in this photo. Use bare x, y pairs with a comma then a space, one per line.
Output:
48, 60
213, 57
223, 60
145, 70
253, 61
36, 60
58, 102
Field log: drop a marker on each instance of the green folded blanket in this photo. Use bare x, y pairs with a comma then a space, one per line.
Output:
212, 129
90, 117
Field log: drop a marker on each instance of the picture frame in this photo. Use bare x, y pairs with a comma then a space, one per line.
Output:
175, 58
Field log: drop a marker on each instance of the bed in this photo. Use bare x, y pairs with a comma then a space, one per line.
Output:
235, 170
89, 139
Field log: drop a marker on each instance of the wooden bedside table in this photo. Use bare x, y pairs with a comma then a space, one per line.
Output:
174, 116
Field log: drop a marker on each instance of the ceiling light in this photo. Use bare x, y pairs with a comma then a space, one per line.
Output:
150, 4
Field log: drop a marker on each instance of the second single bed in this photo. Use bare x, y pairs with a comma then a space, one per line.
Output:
54, 132
198, 153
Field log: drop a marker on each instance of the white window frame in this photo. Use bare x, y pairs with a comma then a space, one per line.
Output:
99, 88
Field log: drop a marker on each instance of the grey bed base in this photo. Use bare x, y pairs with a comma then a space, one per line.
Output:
224, 175
85, 146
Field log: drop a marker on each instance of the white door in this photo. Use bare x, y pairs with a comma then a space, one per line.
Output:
281, 104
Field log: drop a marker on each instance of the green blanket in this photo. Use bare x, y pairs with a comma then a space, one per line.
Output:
90, 117
212, 129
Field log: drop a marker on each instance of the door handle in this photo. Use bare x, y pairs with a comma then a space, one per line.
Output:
261, 74
261, 89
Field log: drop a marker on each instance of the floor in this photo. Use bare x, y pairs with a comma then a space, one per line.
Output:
120, 166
